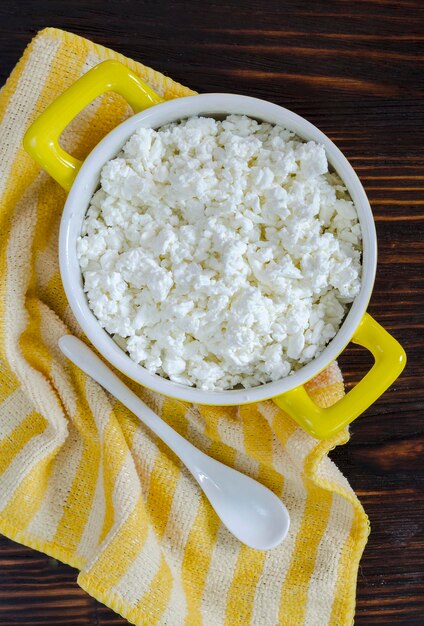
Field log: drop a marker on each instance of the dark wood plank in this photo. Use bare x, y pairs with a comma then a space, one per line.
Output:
355, 70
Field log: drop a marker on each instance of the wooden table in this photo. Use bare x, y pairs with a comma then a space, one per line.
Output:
353, 68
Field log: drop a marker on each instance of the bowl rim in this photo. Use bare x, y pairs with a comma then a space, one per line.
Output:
86, 182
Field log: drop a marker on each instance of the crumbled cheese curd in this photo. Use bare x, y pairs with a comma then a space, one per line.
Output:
220, 253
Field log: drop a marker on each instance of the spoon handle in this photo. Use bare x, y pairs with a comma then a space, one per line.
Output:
84, 358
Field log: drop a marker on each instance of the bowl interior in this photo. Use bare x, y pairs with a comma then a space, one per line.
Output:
87, 181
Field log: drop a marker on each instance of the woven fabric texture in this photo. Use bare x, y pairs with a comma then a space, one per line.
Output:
83, 481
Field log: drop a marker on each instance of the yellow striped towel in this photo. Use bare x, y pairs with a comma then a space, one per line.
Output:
83, 481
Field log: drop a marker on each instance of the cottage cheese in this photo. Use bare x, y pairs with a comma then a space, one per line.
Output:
220, 253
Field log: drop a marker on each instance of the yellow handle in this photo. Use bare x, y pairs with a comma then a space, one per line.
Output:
390, 359
41, 140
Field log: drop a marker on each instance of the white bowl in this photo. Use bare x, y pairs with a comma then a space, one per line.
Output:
87, 181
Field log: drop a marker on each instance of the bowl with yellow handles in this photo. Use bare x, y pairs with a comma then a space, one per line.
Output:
81, 180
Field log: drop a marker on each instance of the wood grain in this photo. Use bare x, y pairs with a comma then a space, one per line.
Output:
355, 69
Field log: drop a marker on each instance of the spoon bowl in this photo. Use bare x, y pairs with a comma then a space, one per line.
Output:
253, 513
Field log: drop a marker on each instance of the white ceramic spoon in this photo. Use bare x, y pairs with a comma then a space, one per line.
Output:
248, 509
